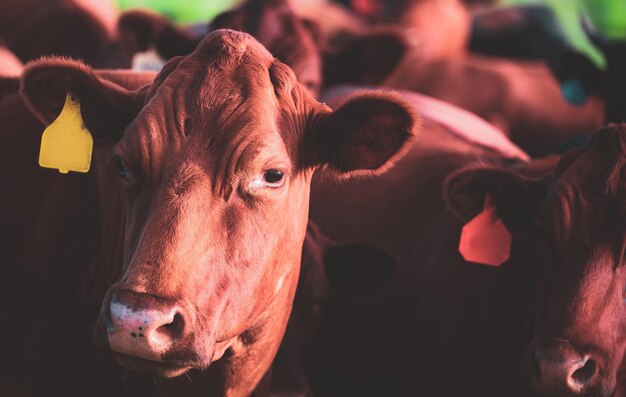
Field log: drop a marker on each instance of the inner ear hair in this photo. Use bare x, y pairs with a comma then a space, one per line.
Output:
106, 107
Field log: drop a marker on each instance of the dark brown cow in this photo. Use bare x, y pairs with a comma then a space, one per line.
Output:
82, 29
403, 213
582, 77
522, 32
521, 98
272, 22
51, 277
473, 328
214, 198
576, 225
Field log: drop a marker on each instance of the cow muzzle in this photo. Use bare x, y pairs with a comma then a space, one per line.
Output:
146, 331
557, 369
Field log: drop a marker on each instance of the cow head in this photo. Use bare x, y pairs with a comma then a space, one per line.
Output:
272, 22
576, 225
216, 159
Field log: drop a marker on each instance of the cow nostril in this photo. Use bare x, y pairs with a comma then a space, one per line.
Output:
583, 376
168, 333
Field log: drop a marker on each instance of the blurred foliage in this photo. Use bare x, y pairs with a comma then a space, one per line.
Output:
183, 11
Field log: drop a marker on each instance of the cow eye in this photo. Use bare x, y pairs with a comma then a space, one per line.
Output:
274, 177
122, 172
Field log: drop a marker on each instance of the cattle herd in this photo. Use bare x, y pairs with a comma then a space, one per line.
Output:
373, 198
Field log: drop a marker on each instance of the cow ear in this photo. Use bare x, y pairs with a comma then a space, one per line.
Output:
517, 197
365, 135
367, 60
358, 268
106, 108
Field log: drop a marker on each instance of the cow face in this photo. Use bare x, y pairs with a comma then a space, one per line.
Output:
215, 159
578, 225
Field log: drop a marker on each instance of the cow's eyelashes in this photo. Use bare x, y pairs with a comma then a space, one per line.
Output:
122, 172
271, 178
274, 177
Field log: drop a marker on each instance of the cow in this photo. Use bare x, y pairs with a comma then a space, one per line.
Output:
522, 32
83, 29
443, 27
226, 178
272, 22
545, 322
522, 98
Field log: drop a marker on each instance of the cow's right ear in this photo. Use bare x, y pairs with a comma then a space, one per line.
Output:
365, 135
517, 197
106, 108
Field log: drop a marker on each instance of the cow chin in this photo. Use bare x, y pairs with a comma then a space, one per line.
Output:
141, 365
173, 364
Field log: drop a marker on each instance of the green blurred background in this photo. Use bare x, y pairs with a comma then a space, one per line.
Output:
609, 16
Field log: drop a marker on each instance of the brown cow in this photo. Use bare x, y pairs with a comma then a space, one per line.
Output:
575, 225
215, 198
403, 214
272, 22
472, 325
82, 29
521, 98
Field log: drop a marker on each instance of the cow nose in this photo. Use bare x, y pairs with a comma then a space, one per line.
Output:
556, 368
144, 326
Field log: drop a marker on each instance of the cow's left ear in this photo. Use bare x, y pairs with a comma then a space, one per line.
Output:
365, 135
106, 107
517, 197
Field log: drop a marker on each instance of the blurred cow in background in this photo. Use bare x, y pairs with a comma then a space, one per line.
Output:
547, 322
442, 26
272, 22
575, 69
529, 32
81, 29
523, 99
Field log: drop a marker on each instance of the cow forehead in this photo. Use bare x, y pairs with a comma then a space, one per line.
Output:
222, 89
588, 198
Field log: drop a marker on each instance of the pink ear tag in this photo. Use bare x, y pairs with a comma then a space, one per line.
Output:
485, 239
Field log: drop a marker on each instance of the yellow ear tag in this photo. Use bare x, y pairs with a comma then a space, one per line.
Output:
67, 144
